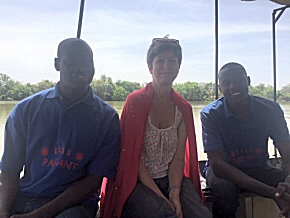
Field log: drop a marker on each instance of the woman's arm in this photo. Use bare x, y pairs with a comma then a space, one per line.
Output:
176, 168
146, 179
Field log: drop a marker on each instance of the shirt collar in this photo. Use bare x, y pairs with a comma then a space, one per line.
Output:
228, 112
88, 99
54, 93
253, 107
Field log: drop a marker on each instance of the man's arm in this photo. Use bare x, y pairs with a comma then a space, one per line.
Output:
284, 150
224, 170
213, 143
12, 161
280, 134
73, 195
9, 186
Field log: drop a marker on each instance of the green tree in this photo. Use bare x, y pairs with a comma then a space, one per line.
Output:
19, 91
6, 87
44, 84
104, 87
206, 92
284, 93
189, 90
263, 91
14, 90
128, 86
120, 94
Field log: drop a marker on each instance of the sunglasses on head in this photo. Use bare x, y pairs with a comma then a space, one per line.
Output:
165, 40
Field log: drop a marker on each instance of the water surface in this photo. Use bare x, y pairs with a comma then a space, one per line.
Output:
7, 106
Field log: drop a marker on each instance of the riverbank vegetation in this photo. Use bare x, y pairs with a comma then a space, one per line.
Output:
105, 88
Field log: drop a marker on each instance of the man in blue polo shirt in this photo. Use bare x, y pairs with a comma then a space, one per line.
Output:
235, 132
66, 139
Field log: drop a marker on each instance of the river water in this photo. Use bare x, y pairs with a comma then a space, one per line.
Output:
7, 106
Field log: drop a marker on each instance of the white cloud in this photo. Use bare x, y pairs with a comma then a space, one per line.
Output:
121, 32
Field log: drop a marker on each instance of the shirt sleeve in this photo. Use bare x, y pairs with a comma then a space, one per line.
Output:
279, 131
211, 136
107, 158
13, 158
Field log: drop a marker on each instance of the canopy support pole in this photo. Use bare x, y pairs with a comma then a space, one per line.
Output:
216, 49
80, 18
274, 21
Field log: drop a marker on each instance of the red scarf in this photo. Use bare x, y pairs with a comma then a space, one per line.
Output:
133, 124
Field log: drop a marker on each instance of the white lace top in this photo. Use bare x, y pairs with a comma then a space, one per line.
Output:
160, 146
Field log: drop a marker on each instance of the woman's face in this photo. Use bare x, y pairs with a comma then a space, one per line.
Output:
164, 68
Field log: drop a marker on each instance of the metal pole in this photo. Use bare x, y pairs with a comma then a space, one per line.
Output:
274, 21
216, 50
80, 18
274, 52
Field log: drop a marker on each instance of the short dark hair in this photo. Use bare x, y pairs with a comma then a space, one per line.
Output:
231, 65
159, 45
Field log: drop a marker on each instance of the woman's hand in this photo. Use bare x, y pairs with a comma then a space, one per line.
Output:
175, 200
170, 204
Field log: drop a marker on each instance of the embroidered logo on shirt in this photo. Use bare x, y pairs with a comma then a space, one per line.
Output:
240, 156
61, 157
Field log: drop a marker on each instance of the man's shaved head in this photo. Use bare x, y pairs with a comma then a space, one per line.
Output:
72, 44
76, 65
233, 67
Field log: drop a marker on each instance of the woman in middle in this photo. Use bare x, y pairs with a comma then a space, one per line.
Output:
158, 173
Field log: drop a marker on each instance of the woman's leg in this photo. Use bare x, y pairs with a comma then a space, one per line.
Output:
145, 203
192, 204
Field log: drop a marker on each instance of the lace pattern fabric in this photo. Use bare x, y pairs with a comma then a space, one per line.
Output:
160, 146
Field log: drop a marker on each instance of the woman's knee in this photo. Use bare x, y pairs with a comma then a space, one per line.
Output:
144, 202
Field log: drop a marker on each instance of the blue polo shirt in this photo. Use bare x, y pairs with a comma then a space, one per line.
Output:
245, 141
58, 144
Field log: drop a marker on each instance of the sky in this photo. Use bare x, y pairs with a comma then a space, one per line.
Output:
120, 32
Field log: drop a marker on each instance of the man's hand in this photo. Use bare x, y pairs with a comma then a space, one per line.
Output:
28, 215
4, 213
284, 207
282, 198
34, 214
283, 191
